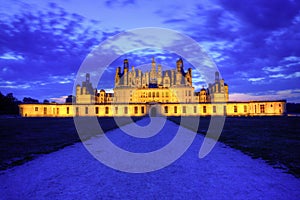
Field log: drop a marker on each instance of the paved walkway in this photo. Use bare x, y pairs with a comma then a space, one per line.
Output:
73, 173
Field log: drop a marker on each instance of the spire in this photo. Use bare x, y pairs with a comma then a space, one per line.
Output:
217, 76
87, 77
153, 60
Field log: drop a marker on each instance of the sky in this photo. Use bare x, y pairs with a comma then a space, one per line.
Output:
255, 44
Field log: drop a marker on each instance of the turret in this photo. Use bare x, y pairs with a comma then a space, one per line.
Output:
117, 76
179, 64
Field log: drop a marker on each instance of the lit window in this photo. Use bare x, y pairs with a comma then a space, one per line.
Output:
195, 109
45, 111
36, 109
106, 110
97, 110
86, 110
262, 108
235, 109
245, 108
214, 109
175, 109
68, 110
204, 109
166, 109
135, 109
143, 110
126, 110
184, 109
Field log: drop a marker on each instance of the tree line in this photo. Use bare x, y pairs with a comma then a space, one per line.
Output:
9, 105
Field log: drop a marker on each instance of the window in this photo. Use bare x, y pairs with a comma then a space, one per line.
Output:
77, 111
86, 110
57, 110
143, 110
184, 109
68, 110
135, 109
195, 109
97, 110
157, 94
175, 109
116, 110
271, 105
204, 109
245, 108
167, 94
126, 110
235, 109
214, 109
279, 105
224, 110
254, 108
166, 109
36, 109
262, 108
45, 111
106, 110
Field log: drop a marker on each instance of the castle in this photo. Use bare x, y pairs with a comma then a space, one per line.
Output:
156, 92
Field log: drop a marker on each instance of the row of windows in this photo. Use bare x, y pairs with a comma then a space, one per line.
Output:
162, 94
57, 110
204, 109
116, 111
166, 108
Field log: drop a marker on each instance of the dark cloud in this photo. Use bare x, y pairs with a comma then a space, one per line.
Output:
264, 14
244, 37
119, 3
36, 45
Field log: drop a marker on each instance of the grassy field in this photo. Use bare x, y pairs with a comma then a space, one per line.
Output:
22, 139
274, 139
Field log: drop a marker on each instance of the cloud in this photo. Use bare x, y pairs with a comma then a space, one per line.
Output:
11, 56
256, 79
61, 99
292, 95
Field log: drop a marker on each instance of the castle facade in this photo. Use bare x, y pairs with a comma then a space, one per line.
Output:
155, 93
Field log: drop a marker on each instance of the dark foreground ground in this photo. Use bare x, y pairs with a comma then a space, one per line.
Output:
274, 139
22, 139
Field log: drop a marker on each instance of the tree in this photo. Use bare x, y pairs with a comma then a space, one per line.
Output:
8, 104
30, 100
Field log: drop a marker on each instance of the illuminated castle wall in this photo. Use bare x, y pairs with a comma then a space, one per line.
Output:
170, 86
157, 92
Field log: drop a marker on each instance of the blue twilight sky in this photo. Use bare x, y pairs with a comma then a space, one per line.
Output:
255, 44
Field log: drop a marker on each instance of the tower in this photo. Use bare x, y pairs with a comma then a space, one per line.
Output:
153, 75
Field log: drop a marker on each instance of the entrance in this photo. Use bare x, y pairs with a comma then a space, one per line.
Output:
153, 112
